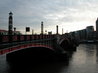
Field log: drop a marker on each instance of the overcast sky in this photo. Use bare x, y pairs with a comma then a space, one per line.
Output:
71, 15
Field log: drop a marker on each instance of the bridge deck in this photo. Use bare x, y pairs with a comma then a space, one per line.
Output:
25, 41
9, 47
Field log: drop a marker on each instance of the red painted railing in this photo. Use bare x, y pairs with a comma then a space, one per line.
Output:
19, 47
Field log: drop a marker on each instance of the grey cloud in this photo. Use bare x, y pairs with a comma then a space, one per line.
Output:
32, 12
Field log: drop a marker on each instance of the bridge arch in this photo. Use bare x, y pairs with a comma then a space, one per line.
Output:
31, 54
67, 44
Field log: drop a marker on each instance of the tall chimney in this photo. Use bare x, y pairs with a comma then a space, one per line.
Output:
14, 29
42, 27
62, 30
10, 27
57, 29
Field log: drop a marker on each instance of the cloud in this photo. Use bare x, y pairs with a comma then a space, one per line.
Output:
52, 12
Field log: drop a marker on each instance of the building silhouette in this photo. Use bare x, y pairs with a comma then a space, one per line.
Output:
90, 32
97, 28
5, 32
85, 34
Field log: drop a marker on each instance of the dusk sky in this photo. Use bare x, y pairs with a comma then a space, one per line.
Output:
71, 15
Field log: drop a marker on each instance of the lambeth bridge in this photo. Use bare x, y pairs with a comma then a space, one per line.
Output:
39, 47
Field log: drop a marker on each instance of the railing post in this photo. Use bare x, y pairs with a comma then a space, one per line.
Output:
1, 38
10, 38
25, 38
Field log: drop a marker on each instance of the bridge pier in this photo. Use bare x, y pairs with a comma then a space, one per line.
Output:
67, 43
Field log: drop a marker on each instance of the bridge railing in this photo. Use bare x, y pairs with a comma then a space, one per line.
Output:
24, 39
19, 38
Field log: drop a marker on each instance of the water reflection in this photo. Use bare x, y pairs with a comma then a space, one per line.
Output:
53, 67
84, 60
4, 67
97, 53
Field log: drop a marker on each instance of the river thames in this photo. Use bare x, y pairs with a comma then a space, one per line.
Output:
84, 60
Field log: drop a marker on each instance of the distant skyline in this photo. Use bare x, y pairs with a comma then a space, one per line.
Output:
71, 15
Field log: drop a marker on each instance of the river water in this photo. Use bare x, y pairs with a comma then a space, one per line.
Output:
84, 60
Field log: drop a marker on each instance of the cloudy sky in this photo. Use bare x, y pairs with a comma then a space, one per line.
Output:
71, 15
